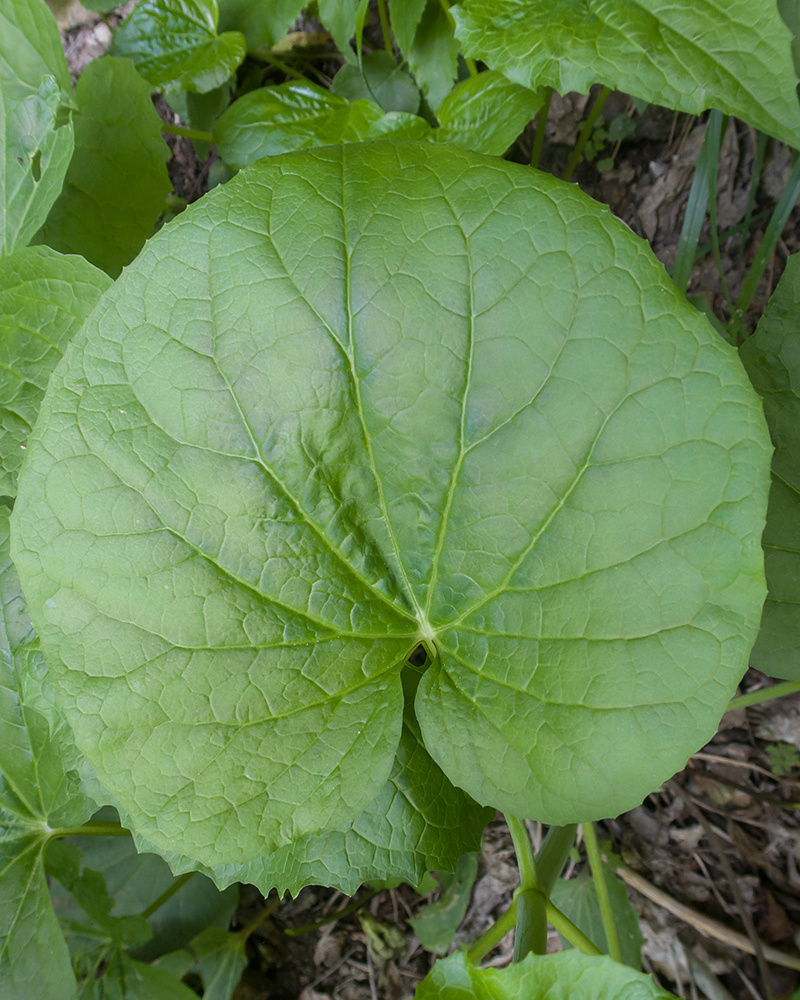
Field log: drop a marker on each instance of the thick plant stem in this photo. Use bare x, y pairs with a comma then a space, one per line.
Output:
492, 937
541, 125
384, 19
586, 131
603, 898
531, 928
168, 893
763, 694
187, 133
573, 934
553, 855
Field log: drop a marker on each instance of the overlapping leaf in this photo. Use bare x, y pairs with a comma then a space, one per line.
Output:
295, 116
174, 44
44, 298
380, 79
566, 976
262, 24
486, 113
36, 138
688, 56
433, 54
371, 397
772, 359
117, 180
39, 792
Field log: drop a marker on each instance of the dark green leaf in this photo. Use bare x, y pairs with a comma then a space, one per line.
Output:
300, 116
433, 55
221, 961
405, 18
123, 978
772, 359
486, 113
36, 138
365, 398
686, 56
262, 24
117, 180
343, 19
44, 298
437, 923
174, 44
569, 975
378, 78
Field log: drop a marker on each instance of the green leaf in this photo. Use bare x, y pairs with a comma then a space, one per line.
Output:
577, 897
36, 137
379, 79
123, 978
262, 24
790, 13
344, 19
405, 18
685, 56
221, 960
438, 922
174, 45
295, 116
486, 113
117, 180
772, 359
39, 792
568, 975
44, 298
433, 55
370, 397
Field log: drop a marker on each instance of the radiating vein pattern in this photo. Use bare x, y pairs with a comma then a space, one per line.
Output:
363, 397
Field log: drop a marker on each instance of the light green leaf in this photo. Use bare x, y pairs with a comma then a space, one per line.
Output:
568, 975
433, 55
174, 45
688, 56
437, 923
221, 960
117, 180
262, 24
379, 79
577, 897
295, 116
405, 18
39, 792
486, 113
365, 398
36, 138
772, 359
44, 298
344, 19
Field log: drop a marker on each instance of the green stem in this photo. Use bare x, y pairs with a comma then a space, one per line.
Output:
168, 893
531, 927
92, 828
272, 60
573, 934
601, 887
187, 133
384, 19
553, 855
717, 124
492, 937
352, 906
763, 694
586, 131
541, 125
471, 67
271, 906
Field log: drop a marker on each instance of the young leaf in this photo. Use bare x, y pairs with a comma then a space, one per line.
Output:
300, 116
378, 78
366, 398
44, 298
343, 18
568, 975
433, 55
174, 45
117, 180
486, 113
221, 961
123, 978
437, 923
685, 56
405, 17
262, 24
772, 359
36, 138
39, 792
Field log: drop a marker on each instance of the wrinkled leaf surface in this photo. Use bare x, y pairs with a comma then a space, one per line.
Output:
370, 397
380, 79
486, 113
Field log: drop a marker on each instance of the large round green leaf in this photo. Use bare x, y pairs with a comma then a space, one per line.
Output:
364, 398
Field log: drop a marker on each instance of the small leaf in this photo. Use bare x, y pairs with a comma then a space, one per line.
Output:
405, 18
123, 978
772, 359
690, 57
221, 960
294, 116
174, 45
343, 19
117, 180
378, 78
433, 55
36, 139
437, 923
568, 975
486, 113
262, 24
44, 298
